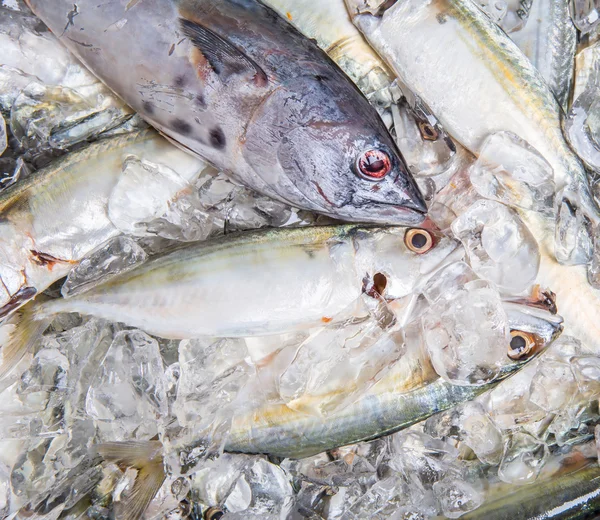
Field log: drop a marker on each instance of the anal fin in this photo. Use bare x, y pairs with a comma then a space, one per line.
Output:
225, 59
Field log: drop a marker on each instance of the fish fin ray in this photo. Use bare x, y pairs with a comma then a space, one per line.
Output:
224, 58
147, 458
18, 334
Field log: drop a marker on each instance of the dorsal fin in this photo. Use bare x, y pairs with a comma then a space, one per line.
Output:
224, 58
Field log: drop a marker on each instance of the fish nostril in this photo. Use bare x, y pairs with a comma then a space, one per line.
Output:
379, 283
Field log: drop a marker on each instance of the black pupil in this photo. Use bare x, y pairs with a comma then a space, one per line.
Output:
517, 343
419, 240
374, 165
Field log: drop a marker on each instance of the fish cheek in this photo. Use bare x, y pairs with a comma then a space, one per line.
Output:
319, 165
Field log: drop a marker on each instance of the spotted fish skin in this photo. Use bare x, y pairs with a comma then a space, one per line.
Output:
235, 83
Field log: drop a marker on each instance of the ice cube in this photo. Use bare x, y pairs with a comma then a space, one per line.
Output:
581, 124
117, 256
447, 281
244, 486
499, 245
553, 386
523, 459
457, 497
508, 404
127, 396
353, 353
3, 141
45, 116
426, 149
510, 171
478, 431
585, 14
153, 199
454, 198
5, 493
466, 334
495, 9
587, 374
572, 240
516, 15
210, 389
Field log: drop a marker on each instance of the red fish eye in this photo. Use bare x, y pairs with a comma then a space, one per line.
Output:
374, 164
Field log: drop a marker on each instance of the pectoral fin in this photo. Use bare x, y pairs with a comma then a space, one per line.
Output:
225, 59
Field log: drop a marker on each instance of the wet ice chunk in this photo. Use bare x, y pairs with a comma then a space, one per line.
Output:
457, 497
523, 459
448, 280
495, 9
355, 351
512, 172
213, 375
585, 14
152, 199
516, 15
3, 142
573, 243
553, 386
127, 396
119, 255
480, 432
58, 117
245, 487
425, 149
581, 124
466, 334
236, 208
499, 245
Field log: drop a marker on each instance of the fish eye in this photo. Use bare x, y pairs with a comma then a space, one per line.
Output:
521, 344
418, 240
374, 165
213, 513
428, 132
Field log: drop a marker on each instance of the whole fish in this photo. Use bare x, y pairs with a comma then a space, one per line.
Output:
409, 393
237, 84
252, 284
478, 82
56, 216
549, 40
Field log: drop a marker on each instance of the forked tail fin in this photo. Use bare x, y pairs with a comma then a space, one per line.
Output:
18, 334
147, 458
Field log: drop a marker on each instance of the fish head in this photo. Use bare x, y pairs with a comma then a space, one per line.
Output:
398, 261
333, 147
533, 328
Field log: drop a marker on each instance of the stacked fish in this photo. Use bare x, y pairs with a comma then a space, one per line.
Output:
292, 259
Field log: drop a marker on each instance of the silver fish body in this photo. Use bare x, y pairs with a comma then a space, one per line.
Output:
258, 283
59, 214
573, 496
235, 83
478, 82
409, 393
549, 40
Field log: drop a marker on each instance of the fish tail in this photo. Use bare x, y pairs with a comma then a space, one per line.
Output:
19, 333
144, 456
